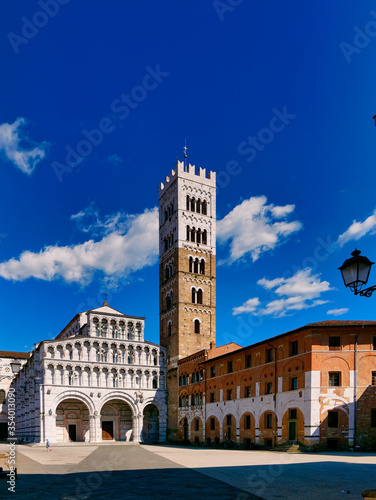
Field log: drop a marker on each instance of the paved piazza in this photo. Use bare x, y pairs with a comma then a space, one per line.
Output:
132, 471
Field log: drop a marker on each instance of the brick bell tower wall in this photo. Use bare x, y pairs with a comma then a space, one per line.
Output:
187, 271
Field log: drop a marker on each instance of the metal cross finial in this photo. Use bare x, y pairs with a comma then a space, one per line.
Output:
185, 149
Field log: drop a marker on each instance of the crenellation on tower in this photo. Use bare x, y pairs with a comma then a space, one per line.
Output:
188, 172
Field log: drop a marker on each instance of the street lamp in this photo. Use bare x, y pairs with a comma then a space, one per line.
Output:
16, 366
355, 272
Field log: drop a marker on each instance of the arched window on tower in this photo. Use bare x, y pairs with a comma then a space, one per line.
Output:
205, 237
196, 266
194, 295
197, 326
166, 273
198, 206
188, 202
202, 266
191, 264
165, 215
193, 234
193, 204
199, 296
188, 231
169, 329
204, 207
198, 235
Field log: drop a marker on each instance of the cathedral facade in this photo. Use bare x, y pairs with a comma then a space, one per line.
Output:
98, 380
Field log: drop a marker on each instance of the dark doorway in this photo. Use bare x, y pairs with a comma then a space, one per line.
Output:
150, 431
3, 431
332, 444
247, 443
292, 431
107, 430
185, 429
72, 431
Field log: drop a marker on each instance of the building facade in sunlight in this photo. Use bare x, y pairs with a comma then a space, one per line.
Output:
315, 385
6, 378
98, 380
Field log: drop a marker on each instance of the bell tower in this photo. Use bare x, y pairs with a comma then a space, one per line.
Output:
187, 274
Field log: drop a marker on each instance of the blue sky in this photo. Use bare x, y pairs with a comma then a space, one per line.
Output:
278, 98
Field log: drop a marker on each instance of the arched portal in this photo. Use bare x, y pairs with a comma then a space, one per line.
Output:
72, 421
116, 421
150, 430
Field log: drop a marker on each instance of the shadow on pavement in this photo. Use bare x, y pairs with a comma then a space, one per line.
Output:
180, 483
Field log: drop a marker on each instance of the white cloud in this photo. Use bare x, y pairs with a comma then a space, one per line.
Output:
300, 291
115, 256
338, 312
88, 221
249, 306
10, 145
253, 229
358, 229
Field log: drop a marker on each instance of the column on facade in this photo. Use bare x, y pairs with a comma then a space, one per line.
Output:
352, 417
138, 422
96, 427
312, 407
50, 427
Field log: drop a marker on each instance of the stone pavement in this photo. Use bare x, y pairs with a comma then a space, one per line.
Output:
131, 471
276, 475
128, 472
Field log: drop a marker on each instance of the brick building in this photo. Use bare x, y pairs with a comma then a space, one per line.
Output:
315, 385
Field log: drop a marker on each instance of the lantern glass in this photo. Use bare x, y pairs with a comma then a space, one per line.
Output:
363, 273
16, 366
350, 274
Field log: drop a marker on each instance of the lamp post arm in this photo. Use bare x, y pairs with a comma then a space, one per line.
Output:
367, 292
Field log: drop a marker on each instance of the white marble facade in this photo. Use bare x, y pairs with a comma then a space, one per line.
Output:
6, 378
97, 380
